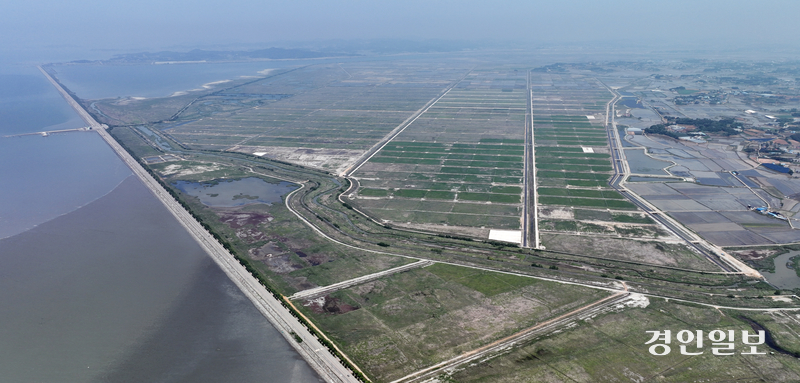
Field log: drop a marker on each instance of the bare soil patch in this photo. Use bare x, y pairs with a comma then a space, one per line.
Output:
336, 160
556, 212
329, 305
754, 254
656, 253
463, 230
246, 224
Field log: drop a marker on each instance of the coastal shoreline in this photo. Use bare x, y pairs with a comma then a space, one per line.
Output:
311, 349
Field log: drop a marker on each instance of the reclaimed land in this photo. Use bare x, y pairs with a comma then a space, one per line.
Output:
465, 152
406, 312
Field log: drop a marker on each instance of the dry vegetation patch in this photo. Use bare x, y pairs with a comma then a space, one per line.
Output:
656, 253
414, 319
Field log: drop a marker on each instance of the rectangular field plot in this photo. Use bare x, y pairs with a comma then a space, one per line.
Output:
467, 149
481, 181
592, 350
571, 146
718, 214
320, 115
409, 321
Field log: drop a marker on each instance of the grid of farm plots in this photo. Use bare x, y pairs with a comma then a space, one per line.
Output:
573, 163
338, 107
457, 168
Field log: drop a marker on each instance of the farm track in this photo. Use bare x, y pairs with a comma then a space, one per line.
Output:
621, 172
499, 345
319, 291
503, 345
396, 132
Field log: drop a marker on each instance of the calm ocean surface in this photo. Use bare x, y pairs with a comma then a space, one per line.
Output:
97, 281
96, 81
103, 81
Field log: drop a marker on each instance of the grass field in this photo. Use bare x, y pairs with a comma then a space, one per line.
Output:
459, 166
414, 319
611, 347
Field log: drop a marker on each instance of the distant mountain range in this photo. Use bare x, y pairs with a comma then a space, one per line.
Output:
319, 49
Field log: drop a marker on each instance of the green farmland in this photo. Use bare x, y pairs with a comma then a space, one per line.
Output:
572, 161
466, 149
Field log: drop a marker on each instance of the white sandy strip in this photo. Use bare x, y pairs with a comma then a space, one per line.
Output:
513, 236
210, 85
205, 86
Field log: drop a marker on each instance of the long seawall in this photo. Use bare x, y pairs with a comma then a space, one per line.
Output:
315, 353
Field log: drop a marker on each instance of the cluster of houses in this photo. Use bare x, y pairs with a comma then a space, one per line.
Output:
714, 97
777, 147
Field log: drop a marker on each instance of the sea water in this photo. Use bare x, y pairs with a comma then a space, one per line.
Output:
98, 282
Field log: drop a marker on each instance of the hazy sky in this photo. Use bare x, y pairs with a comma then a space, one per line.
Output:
160, 24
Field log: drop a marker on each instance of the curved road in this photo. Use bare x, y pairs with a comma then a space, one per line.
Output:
315, 353
621, 172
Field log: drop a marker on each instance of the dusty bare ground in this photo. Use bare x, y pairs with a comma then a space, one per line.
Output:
328, 305
462, 230
629, 250
753, 254
246, 224
334, 160
180, 170
556, 212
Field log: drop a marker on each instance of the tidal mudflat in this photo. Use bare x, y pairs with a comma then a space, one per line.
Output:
118, 291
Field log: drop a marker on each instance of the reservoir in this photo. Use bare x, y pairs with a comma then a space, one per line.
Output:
641, 163
98, 282
229, 193
783, 277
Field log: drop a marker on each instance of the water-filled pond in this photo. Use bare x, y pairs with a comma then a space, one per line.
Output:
229, 193
784, 277
641, 163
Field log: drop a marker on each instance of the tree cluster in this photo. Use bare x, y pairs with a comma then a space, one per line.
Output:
726, 126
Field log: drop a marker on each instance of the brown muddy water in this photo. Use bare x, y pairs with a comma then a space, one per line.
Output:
118, 291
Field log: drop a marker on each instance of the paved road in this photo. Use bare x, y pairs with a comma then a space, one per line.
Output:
399, 129
530, 203
317, 355
622, 171
319, 358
